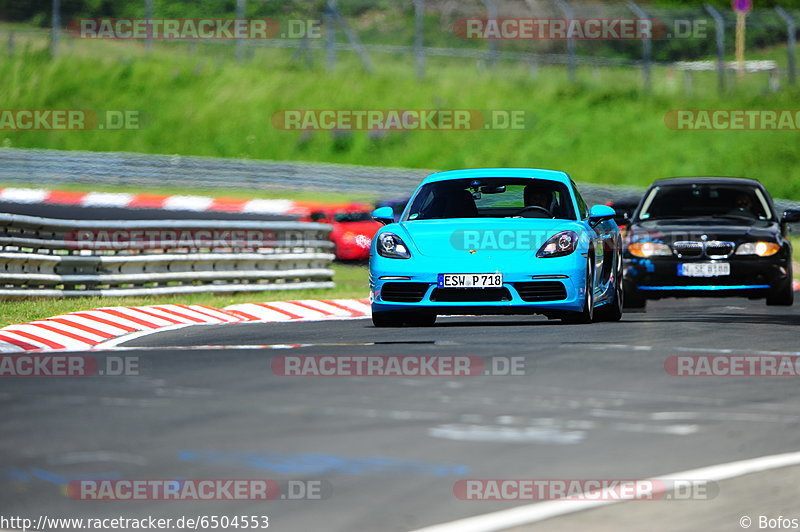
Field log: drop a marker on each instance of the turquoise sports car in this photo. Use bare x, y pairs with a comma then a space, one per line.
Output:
496, 241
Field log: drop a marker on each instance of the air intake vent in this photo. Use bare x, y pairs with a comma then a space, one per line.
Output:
541, 291
404, 292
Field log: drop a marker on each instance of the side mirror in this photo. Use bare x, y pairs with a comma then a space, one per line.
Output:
790, 216
384, 215
600, 213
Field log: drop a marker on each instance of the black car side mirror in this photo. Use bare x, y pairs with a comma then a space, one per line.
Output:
790, 216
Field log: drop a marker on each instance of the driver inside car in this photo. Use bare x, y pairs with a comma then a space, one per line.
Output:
537, 196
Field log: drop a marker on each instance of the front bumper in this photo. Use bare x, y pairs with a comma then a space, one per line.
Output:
569, 272
753, 277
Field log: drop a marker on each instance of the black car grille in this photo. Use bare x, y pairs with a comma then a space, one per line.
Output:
713, 249
719, 250
688, 249
541, 291
470, 295
404, 292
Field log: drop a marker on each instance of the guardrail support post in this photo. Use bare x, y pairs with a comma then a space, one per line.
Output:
719, 26
647, 47
566, 9
791, 42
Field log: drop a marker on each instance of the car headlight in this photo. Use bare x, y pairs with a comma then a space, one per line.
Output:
649, 249
392, 246
558, 245
762, 249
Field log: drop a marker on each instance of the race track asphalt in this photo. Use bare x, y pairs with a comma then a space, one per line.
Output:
594, 402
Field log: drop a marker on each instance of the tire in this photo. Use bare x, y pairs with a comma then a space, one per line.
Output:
634, 299
587, 314
782, 297
387, 319
612, 311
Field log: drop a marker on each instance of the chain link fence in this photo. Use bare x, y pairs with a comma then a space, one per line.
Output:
318, 34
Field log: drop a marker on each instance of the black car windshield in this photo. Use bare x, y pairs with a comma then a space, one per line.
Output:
492, 198
702, 200
343, 217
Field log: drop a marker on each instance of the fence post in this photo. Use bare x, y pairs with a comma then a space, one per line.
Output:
647, 47
419, 27
240, 8
566, 9
791, 42
330, 33
354, 42
719, 26
56, 23
148, 15
491, 14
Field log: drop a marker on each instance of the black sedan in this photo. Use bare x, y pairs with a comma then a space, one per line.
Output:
718, 236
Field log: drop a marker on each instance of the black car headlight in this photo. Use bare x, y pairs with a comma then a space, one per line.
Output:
558, 245
762, 249
392, 246
646, 250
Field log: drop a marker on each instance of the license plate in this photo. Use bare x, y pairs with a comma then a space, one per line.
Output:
470, 280
704, 269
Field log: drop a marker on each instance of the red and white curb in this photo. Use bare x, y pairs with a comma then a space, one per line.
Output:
153, 201
109, 326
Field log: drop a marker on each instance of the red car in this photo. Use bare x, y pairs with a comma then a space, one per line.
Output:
353, 227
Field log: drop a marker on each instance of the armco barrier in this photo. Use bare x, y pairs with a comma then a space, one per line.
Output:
63, 258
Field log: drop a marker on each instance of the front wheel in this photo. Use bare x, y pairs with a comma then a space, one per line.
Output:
587, 314
387, 319
634, 299
612, 311
782, 297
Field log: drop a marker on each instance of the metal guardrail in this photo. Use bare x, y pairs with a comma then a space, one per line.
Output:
55, 167
63, 258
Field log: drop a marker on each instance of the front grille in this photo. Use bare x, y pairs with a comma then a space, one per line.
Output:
718, 250
404, 292
470, 295
688, 250
713, 249
541, 291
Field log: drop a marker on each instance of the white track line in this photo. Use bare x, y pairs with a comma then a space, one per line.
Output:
534, 513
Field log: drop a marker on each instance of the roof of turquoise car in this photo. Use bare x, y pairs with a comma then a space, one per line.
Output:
532, 173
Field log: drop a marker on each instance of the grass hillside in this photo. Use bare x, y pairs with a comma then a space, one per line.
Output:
601, 129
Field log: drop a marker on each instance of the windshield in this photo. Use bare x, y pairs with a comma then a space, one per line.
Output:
706, 201
492, 198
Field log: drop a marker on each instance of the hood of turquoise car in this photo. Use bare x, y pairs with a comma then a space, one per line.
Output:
465, 238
